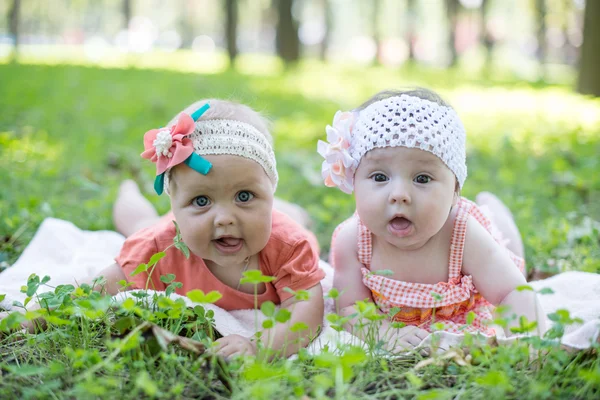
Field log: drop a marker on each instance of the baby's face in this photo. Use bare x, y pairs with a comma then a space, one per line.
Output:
224, 216
404, 195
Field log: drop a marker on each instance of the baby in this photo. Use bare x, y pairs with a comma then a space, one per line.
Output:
403, 153
216, 162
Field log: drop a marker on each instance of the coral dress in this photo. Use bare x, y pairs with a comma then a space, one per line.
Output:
452, 301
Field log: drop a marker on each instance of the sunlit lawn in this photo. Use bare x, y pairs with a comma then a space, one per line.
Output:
70, 133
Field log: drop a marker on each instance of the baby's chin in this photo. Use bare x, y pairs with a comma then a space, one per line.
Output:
224, 262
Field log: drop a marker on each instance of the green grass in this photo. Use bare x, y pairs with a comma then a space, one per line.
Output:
70, 133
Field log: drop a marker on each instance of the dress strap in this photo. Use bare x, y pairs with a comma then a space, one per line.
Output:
459, 233
365, 244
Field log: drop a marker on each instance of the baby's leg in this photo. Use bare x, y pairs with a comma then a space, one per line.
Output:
503, 219
132, 211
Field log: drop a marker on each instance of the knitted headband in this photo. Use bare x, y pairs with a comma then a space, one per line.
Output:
405, 121
189, 139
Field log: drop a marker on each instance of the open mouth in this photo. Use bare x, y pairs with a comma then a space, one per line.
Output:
400, 226
228, 245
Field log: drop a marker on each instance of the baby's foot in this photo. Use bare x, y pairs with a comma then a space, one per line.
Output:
294, 211
504, 221
492, 201
132, 211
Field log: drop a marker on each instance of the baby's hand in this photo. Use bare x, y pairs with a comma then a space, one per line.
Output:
234, 345
403, 339
30, 326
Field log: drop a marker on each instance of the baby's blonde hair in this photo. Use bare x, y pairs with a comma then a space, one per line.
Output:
224, 109
418, 92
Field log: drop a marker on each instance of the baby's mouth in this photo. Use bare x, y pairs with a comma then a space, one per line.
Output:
228, 245
400, 226
228, 241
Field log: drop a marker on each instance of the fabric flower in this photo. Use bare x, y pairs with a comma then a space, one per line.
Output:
339, 167
168, 147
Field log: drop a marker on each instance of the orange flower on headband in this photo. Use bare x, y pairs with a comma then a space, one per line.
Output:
168, 147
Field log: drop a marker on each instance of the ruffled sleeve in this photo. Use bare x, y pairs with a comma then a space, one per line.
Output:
138, 249
296, 267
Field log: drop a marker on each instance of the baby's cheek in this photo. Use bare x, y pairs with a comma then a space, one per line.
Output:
367, 203
194, 236
370, 217
436, 217
260, 231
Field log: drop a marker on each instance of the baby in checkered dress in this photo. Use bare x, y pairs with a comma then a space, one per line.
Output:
427, 257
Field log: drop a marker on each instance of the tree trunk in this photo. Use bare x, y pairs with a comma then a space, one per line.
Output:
589, 76
13, 25
186, 23
411, 23
328, 20
540, 6
288, 44
486, 38
126, 13
231, 10
376, 6
452, 13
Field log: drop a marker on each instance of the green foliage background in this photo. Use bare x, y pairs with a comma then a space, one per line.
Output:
70, 134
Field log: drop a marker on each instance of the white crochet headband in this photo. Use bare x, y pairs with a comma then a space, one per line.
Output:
403, 120
190, 138
225, 136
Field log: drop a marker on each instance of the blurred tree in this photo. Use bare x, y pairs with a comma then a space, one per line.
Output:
328, 20
452, 7
589, 75
567, 50
375, 8
126, 13
288, 44
231, 12
486, 38
411, 24
13, 26
542, 48
186, 22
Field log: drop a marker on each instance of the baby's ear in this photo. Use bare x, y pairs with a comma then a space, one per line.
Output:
456, 194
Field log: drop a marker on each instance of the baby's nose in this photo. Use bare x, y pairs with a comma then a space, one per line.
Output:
224, 217
400, 194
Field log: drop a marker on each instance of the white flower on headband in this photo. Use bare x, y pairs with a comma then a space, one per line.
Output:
163, 142
339, 167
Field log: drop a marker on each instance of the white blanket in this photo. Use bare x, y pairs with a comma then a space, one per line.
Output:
66, 253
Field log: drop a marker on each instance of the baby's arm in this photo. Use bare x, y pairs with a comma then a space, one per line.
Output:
497, 277
280, 339
348, 280
113, 274
310, 312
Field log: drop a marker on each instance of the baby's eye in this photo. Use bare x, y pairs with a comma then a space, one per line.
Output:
379, 177
422, 179
244, 196
201, 201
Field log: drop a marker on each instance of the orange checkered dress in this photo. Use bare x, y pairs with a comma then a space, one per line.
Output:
454, 299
